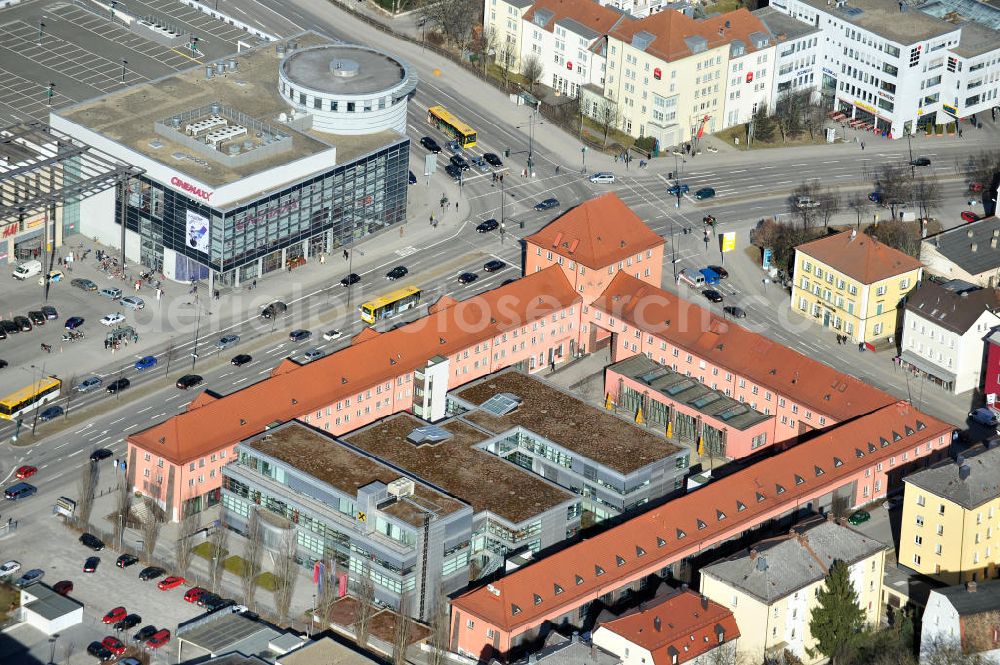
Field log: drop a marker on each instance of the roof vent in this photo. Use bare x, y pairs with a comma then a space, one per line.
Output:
762, 563
970, 586
657, 624
964, 471
163, 439
343, 379
429, 434
295, 401
242, 421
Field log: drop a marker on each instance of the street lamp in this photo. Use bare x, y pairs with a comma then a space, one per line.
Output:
531, 138
124, 64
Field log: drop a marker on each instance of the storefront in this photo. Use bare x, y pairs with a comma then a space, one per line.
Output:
23, 240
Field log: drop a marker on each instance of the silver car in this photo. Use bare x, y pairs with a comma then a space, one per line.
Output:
227, 341
481, 164
314, 353
93, 383
132, 302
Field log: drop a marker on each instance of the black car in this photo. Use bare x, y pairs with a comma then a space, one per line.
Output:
23, 323
10, 327
492, 159
704, 193
51, 413
145, 633
353, 278
100, 454
99, 651
50, 312
412, 179
507, 281
126, 560
221, 604
735, 312
92, 541
494, 265
453, 171
208, 598
189, 381
467, 278
241, 359
74, 322
36, 317
920, 161
398, 272
3, 363
130, 621
91, 564
151, 573
299, 335
547, 204
430, 144
460, 162
84, 284
487, 226
722, 272
274, 310
118, 385
712, 295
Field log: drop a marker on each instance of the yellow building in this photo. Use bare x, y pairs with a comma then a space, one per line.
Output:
772, 588
853, 284
951, 519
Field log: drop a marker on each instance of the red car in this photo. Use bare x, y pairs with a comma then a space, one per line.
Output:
115, 615
976, 187
26, 472
970, 216
114, 645
170, 582
194, 593
63, 588
158, 639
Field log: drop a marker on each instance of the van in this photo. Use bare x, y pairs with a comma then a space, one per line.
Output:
27, 269
20, 491
693, 279
111, 292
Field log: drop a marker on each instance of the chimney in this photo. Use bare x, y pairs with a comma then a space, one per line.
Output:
993, 243
973, 247
970, 586
684, 587
753, 554
854, 234
964, 471
657, 624
704, 602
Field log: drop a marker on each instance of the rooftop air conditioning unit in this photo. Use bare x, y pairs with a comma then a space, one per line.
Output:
400, 487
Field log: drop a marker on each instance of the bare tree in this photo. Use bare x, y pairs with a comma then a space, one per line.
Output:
803, 203
123, 507
88, 489
948, 653
327, 596
607, 115
982, 168
285, 573
190, 523
506, 57
152, 524
840, 506
830, 204
788, 112
926, 194
70, 394
401, 637
904, 236
484, 45
439, 631
894, 185
858, 203
219, 540
453, 18
532, 70
168, 354
365, 606
253, 553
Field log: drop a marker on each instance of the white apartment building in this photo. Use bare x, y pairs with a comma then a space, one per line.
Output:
751, 73
944, 332
796, 55
964, 617
897, 68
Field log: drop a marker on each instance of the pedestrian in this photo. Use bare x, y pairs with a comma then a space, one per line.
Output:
861, 346
862, 145
456, 205
105, 344
322, 259
557, 169
255, 281
959, 132
217, 294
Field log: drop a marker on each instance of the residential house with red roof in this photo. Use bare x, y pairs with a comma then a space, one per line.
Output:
682, 628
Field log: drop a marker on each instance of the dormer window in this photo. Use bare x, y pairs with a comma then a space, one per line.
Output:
537, 599
779, 488
514, 609
598, 571
619, 560
556, 589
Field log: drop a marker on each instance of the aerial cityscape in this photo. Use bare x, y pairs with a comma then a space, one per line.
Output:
541, 332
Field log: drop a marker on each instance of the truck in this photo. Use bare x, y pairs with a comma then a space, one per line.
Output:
27, 269
694, 280
711, 277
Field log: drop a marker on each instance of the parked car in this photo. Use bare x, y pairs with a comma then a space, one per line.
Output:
36, 318
112, 319
976, 187
50, 413
299, 335
720, 271
50, 312
454, 148
118, 385
876, 197
63, 587
712, 295
145, 363
970, 216
547, 204
114, 645
88, 384
23, 323
804, 202
984, 416
704, 193
487, 226
398, 272
26, 471
31, 577
9, 568
189, 381
74, 322
676, 189
92, 541
430, 144
858, 517
241, 359
494, 265
206, 598
467, 278
158, 639
332, 334
453, 171
111, 293
84, 284
353, 278
920, 161
100, 454
126, 560
145, 632
91, 564
194, 593
603, 178
133, 302
151, 573
129, 622
170, 582
99, 651
227, 341
492, 159
735, 312
412, 179
313, 354
9, 327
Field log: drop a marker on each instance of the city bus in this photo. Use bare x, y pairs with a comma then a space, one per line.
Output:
19, 402
390, 304
452, 126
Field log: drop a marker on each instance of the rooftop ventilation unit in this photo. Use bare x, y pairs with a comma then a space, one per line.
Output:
502, 404
400, 487
429, 434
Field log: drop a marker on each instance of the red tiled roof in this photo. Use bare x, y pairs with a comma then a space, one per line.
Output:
730, 346
597, 233
714, 513
859, 256
685, 624
597, 17
670, 28
293, 390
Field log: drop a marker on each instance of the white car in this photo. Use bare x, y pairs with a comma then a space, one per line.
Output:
9, 568
806, 202
132, 302
314, 353
113, 319
331, 335
603, 178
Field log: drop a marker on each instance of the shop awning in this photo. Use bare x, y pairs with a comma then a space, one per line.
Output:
927, 366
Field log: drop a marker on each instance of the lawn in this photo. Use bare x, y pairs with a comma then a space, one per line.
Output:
722, 6
10, 598
235, 564
205, 550
740, 132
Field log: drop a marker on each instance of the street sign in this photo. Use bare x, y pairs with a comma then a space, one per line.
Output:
768, 255
727, 241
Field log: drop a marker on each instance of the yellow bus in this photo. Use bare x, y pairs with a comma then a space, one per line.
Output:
390, 304
452, 126
17, 403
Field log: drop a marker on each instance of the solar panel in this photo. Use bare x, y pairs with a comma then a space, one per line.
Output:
854, 11
428, 434
502, 404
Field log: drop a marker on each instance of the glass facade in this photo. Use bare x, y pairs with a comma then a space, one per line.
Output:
313, 216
